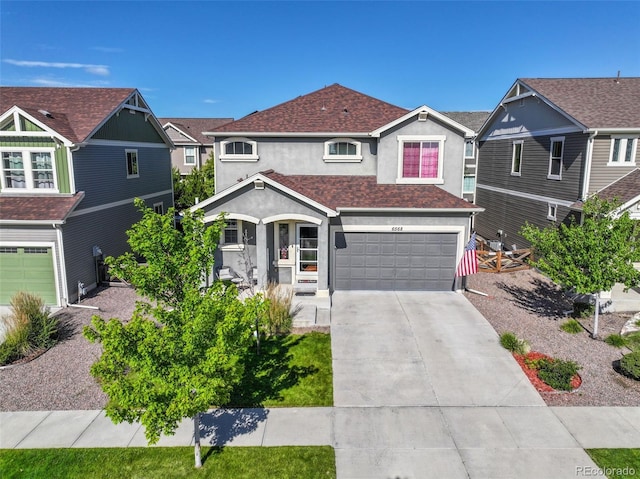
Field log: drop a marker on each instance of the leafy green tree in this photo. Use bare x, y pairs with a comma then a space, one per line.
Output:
183, 350
199, 185
591, 256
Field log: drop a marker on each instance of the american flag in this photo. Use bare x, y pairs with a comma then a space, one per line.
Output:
469, 261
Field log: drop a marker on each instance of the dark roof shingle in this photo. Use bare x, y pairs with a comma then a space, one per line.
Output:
471, 119
624, 189
53, 208
195, 126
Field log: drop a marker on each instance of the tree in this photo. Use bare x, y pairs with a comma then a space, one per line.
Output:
199, 185
182, 351
591, 256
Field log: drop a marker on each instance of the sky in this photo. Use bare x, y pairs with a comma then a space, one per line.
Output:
229, 59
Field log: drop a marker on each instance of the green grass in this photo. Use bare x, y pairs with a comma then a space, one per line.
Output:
571, 326
290, 371
169, 462
617, 463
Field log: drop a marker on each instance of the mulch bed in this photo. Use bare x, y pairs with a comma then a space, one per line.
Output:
532, 374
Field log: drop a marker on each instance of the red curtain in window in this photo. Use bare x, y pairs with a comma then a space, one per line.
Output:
429, 160
411, 160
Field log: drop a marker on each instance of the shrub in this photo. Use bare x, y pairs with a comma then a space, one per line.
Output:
279, 317
630, 365
571, 326
29, 328
616, 340
633, 341
510, 342
583, 310
558, 373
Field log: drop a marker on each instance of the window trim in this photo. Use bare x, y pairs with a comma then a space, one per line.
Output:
355, 158
513, 157
225, 157
239, 245
552, 140
158, 206
634, 151
137, 162
473, 149
195, 155
402, 139
552, 211
28, 170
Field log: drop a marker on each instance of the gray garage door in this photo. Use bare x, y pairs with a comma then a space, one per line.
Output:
395, 261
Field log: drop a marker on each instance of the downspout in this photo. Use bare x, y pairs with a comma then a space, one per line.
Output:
63, 267
587, 169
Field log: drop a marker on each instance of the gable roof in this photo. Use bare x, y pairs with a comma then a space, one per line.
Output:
597, 103
625, 189
332, 109
195, 126
75, 113
471, 119
53, 209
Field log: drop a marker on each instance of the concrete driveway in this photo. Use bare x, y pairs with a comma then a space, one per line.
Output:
422, 388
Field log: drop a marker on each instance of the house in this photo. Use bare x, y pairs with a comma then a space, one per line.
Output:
192, 148
336, 190
549, 145
73, 160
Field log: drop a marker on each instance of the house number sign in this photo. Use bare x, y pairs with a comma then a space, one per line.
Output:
396, 228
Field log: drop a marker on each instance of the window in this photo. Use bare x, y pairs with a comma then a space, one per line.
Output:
623, 151
421, 159
284, 242
28, 170
469, 149
132, 163
552, 211
555, 158
516, 158
308, 251
239, 149
189, 155
158, 208
342, 150
469, 185
231, 232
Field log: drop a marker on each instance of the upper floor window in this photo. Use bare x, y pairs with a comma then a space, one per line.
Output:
132, 163
342, 150
421, 159
469, 149
189, 155
516, 158
623, 151
239, 149
28, 170
555, 158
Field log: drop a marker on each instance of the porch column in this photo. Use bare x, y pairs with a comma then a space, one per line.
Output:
323, 258
262, 258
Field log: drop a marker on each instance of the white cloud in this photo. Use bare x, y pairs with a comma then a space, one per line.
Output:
58, 83
102, 70
208, 100
108, 49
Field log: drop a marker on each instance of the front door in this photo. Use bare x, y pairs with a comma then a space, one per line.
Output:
307, 254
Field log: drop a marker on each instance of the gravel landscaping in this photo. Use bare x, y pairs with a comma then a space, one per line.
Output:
531, 306
523, 302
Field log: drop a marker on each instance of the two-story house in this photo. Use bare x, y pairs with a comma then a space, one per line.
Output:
549, 145
336, 190
73, 160
192, 148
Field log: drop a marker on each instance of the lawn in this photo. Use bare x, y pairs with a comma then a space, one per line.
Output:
170, 462
617, 463
290, 371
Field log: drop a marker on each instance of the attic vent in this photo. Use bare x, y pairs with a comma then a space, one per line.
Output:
345, 111
45, 113
258, 184
422, 116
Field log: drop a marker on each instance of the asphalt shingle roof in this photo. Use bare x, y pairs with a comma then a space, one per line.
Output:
625, 189
331, 109
53, 208
74, 112
342, 191
195, 126
471, 119
594, 102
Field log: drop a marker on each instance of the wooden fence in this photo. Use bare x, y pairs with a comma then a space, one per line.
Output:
503, 261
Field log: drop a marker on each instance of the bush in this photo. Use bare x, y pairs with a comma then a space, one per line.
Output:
29, 328
583, 310
633, 341
279, 317
571, 326
630, 365
616, 340
558, 373
510, 342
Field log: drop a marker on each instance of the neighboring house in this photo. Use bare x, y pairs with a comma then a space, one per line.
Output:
552, 143
336, 190
192, 147
73, 160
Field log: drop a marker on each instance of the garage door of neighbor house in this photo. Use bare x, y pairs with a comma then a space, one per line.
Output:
27, 269
395, 261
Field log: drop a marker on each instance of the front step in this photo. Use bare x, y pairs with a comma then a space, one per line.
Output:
305, 315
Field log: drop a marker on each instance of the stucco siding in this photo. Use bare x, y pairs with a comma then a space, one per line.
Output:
101, 172
177, 158
603, 174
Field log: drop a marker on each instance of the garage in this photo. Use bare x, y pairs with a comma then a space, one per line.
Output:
27, 269
395, 261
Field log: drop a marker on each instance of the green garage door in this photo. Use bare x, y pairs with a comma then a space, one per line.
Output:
27, 269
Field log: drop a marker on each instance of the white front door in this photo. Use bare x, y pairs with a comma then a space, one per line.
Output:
306, 254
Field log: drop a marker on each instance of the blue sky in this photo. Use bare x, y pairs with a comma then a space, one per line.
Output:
228, 59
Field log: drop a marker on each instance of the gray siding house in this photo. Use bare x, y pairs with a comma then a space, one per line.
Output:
552, 143
73, 160
338, 190
192, 148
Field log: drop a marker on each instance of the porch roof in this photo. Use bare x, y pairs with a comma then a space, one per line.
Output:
38, 209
